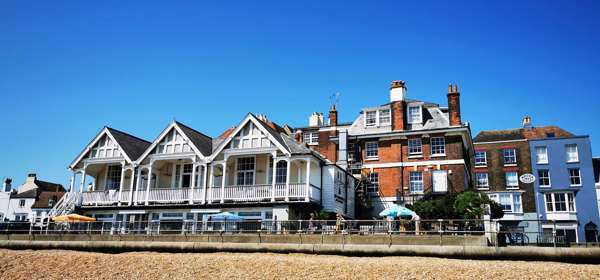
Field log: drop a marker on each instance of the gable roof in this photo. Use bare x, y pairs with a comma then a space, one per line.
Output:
133, 146
520, 134
269, 129
128, 144
200, 140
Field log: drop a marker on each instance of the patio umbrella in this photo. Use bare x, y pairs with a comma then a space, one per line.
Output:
73, 218
397, 211
225, 216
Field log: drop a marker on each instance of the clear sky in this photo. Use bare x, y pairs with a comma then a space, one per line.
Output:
67, 68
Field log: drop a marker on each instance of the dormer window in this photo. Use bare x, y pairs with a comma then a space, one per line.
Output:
311, 138
371, 118
380, 117
384, 117
415, 115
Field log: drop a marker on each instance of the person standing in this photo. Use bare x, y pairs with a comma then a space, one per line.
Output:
339, 223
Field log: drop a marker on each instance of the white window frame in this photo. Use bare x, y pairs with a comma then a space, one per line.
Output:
311, 137
487, 180
116, 183
375, 118
514, 155
250, 134
415, 184
416, 118
383, 119
376, 143
484, 162
237, 172
509, 186
540, 178
578, 176
437, 146
173, 143
572, 156
105, 148
570, 203
412, 148
541, 154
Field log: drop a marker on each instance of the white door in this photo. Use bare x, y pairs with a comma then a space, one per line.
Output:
440, 181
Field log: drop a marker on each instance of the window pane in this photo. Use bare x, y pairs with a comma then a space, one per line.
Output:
510, 156
384, 116
372, 149
415, 146
371, 118
374, 180
572, 154
575, 176
549, 204
541, 154
512, 179
416, 182
414, 114
438, 146
482, 179
544, 178
480, 158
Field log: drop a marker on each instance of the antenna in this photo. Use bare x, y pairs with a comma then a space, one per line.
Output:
334, 99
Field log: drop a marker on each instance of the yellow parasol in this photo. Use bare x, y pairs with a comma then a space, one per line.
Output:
73, 218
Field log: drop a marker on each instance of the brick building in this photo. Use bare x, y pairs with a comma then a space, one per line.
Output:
405, 148
501, 158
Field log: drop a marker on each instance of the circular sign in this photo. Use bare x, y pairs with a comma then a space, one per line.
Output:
527, 178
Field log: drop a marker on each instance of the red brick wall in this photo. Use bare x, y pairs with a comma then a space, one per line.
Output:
398, 115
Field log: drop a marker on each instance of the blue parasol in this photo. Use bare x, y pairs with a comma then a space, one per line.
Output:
225, 216
397, 211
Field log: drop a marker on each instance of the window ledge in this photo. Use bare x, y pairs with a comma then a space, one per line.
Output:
415, 156
481, 166
312, 144
438, 155
545, 187
371, 158
575, 186
542, 163
510, 164
512, 188
576, 161
483, 188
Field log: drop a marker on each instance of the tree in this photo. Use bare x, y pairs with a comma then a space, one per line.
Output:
470, 205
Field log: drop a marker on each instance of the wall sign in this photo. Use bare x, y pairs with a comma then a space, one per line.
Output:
527, 178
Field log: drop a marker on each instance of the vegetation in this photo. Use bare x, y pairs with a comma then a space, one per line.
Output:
465, 205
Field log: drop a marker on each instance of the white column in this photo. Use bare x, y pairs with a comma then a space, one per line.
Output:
149, 182
194, 166
204, 178
138, 185
72, 183
307, 179
131, 184
82, 185
121, 183
287, 180
273, 180
211, 183
223, 181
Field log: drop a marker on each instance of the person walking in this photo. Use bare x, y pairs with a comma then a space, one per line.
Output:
311, 223
339, 223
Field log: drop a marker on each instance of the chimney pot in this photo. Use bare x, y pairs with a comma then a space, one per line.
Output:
397, 91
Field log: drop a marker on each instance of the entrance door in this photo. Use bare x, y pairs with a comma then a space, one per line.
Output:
440, 181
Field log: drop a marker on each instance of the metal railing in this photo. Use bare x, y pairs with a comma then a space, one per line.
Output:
546, 233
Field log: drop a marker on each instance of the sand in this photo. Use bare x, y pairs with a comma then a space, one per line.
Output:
58, 264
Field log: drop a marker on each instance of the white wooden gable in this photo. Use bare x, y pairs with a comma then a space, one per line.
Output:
105, 148
250, 137
172, 143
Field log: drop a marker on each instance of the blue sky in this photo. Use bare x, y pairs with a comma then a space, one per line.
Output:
67, 68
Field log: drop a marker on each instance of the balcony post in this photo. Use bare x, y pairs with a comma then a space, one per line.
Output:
204, 178
223, 181
82, 184
121, 183
131, 184
287, 180
138, 185
72, 184
149, 182
274, 157
306, 198
194, 166
211, 183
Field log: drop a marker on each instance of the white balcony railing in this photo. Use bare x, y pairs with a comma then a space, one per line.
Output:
252, 193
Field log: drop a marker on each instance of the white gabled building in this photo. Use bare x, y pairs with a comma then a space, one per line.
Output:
255, 169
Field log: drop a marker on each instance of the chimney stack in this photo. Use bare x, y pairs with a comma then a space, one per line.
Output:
397, 91
7, 185
527, 122
397, 96
31, 177
454, 105
333, 116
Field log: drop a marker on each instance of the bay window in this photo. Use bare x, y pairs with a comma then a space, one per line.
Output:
510, 202
560, 202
